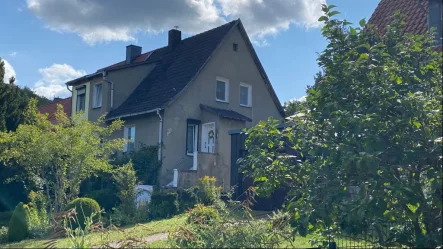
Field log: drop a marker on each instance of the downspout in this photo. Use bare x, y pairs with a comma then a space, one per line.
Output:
112, 88
67, 87
160, 135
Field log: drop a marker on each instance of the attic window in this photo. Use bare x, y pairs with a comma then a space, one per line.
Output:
235, 47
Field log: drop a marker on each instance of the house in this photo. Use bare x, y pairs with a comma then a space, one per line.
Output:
51, 108
185, 96
421, 16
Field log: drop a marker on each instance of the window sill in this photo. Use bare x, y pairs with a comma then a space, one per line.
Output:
248, 106
188, 154
222, 101
96, 107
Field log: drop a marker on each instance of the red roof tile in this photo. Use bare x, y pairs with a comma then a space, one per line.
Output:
414, 10
52, 108
141, 58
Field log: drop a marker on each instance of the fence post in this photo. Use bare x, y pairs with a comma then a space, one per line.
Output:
332, 245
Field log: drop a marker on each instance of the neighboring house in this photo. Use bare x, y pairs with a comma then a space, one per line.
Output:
51, 108
185, 96
421, 16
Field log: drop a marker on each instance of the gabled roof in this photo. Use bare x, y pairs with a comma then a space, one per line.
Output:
225, 113
176, 68
51, 108
415, 11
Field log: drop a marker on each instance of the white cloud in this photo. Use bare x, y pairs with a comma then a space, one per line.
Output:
13, 54
9, 71
116, 20
52, 83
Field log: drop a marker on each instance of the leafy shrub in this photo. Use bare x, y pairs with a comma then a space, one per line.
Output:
125, 179
106, 198
226, 231
18, 225
208, 192
5, 217
121, 218
3, 234
145, 162
38, 217
202, 215
85, 207
163, 205
188, 198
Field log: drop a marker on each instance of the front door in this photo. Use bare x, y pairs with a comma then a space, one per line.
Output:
208, 137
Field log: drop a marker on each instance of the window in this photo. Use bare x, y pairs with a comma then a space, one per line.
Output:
98, 89
245, 95
222, 90
191, 139
129, 134
235, 47
81, 99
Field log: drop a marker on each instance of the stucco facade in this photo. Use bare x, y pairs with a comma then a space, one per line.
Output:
231, 60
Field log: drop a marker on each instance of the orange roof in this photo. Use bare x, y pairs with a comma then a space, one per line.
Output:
415, 10
51, 108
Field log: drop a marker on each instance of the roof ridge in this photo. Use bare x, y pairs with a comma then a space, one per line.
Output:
55, 102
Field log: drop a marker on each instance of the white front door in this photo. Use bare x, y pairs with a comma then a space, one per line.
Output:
208, 137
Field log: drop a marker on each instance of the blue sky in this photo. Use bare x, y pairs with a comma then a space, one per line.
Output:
47, 42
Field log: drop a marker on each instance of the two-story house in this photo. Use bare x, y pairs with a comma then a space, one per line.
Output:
185, 96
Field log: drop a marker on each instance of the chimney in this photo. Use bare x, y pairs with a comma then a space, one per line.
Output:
435, 19
132, 52
174, 37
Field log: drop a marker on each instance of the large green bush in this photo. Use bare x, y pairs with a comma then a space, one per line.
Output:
188, 198
106, 198
145, 162
208, 192
18, 225
85, 207
163, 205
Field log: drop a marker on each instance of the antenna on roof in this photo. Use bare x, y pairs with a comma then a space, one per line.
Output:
176, 27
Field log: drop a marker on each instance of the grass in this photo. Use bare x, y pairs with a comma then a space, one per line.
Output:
136, 231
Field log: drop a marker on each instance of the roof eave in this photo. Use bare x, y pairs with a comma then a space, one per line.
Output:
133, 114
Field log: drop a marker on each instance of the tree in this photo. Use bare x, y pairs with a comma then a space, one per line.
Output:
370, 138
60, 155
294, 106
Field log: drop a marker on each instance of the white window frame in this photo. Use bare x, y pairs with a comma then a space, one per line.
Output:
125, 136
97, 103
249, 94
226, 81
194, 139
77, 103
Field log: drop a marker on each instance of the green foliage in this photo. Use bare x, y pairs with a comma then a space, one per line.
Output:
61, 155
3, 234
201, 214
208, 192
18, 225
38, 217
163, 205
106, 198
5, 217
145, 162
216, 227
125, 179
84, 207
188, 198
373, 123
294, 106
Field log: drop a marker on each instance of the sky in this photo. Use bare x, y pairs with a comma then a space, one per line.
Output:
46, 43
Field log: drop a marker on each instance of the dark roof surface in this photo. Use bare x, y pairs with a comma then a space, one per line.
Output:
225, 113
415, 11
51, 108
174, 69
141, 58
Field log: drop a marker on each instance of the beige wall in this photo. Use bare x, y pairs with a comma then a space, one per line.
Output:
146, 129
125, 81
237, 67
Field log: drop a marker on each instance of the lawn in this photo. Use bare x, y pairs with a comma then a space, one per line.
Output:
137, 231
